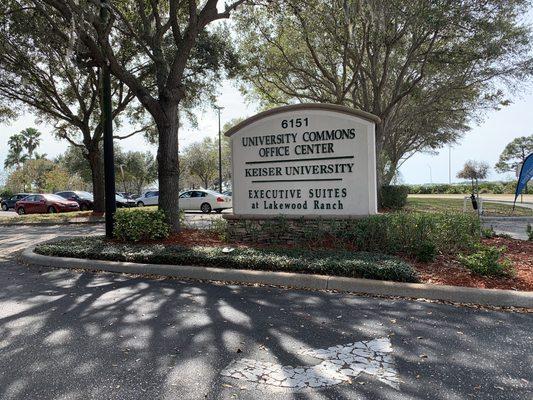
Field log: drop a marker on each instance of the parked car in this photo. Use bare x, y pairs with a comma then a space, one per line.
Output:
149, 198
204, 200
84, 199
45, 203
10, 203
127, 195
123, 202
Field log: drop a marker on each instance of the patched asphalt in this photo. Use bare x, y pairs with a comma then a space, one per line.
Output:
70, 335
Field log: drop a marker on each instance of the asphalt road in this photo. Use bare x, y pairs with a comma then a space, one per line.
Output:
69, 335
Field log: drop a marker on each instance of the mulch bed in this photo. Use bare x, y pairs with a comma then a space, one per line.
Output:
445, 270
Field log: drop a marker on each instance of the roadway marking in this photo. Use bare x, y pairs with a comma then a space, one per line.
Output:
340, 363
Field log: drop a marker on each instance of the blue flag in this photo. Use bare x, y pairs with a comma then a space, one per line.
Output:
526, 173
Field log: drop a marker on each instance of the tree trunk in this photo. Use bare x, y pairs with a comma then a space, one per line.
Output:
97, 176
379, 161
168, 164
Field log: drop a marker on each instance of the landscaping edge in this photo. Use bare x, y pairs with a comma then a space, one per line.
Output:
458, 294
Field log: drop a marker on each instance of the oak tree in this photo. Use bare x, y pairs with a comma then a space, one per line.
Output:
426, 68
171, 39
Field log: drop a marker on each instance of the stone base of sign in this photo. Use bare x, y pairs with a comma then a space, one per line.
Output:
289, 229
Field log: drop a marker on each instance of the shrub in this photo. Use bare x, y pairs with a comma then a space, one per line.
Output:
6, 193
340, 263
529, 231
488, 232
220, 227
487, 261
393, 197
133, 226
421, 235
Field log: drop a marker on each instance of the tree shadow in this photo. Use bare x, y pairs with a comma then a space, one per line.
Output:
66, 334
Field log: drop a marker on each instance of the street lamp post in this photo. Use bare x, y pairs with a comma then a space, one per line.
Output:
219, 151
107, 121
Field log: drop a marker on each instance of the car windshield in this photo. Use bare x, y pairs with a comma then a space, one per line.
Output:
119, 197
53, 197
85, 195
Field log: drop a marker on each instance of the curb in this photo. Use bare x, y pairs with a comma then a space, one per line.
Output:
492, 297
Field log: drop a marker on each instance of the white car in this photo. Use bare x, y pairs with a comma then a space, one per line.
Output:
149, 198
204, 200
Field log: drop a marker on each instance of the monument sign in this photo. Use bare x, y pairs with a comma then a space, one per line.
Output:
305, 159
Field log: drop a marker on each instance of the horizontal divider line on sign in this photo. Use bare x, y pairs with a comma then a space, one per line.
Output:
299, 180
300, 159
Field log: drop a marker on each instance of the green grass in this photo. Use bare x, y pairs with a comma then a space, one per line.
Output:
330, 262
432, 205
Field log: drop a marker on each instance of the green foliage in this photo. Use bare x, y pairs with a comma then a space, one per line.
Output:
474, 170
515, 153
6, 193
141, 225
455, 52
220, 227
416, 235
529, 231
39, 175
463, 188
487, 261
488, 232
199, 163
341, 263
134, 170
393, 197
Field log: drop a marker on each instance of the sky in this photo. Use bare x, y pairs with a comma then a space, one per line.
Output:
484, 142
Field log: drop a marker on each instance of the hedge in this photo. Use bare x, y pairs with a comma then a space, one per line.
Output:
418, 235
463, 188
330, 262
393, 197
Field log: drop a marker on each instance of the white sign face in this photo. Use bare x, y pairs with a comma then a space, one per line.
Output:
295, 160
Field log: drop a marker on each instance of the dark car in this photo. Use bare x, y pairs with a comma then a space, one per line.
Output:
10, 203
84, 199
45, 203
123, 202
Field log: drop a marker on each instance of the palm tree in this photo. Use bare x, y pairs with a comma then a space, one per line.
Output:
15, 156
31, 140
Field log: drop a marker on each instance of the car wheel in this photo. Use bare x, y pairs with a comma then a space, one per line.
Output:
51, 210
5, 207
21, 211
84, 207
206, 208
218, 211
140, 204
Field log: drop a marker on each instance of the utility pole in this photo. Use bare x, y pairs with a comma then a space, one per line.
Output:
450, 164
219, 151
123, 180
107, 122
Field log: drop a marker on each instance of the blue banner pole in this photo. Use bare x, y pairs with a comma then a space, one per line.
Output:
526, 173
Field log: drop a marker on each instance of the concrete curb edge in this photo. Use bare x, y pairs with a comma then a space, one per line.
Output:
492, 297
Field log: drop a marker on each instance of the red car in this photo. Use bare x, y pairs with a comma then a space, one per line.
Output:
45, 203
